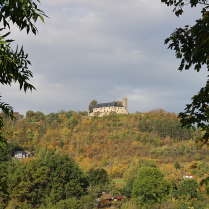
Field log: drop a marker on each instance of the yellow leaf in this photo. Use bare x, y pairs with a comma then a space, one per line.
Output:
205, 40
194, 96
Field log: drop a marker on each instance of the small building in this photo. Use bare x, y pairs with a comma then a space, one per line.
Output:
20, 154
188, 176
107, 200
102, 109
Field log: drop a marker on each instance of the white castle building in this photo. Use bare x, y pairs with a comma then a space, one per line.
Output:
106, 108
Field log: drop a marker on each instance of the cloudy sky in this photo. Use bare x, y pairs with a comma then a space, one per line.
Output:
104, 50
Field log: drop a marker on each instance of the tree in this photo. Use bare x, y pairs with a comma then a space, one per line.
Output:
188, 187
49, 178
97, 176
7, 151
177, 165
83, 113
150, 186
191, 46
14, 64
71, 203
130, 174
92, 104
69, 113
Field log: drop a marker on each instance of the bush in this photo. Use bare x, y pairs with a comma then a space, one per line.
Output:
177, 165
70, 203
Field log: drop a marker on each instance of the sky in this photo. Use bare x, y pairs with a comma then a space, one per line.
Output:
104, 50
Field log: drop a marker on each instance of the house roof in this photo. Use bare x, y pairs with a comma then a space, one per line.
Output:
106, 196
109, 104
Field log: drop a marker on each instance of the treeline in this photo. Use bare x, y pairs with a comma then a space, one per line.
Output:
164, 125
109, 142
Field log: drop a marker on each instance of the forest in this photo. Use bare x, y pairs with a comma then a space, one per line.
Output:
73, 158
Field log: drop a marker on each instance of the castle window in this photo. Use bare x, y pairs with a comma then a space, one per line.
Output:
104, 110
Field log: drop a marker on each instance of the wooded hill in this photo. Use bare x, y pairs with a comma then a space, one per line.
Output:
111, 142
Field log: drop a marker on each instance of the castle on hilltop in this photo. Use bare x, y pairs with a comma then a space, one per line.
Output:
102, 109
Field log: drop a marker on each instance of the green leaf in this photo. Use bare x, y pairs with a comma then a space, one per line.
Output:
41, 18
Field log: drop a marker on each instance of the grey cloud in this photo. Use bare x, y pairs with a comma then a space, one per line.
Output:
105, 50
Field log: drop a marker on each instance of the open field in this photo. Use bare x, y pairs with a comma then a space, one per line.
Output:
120, 182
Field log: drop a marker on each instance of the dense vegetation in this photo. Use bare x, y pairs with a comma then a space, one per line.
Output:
73, 158
110, 142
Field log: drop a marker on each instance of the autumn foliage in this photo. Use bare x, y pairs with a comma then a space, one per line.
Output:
110, 142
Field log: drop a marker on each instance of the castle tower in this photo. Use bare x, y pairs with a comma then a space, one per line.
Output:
124, 100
